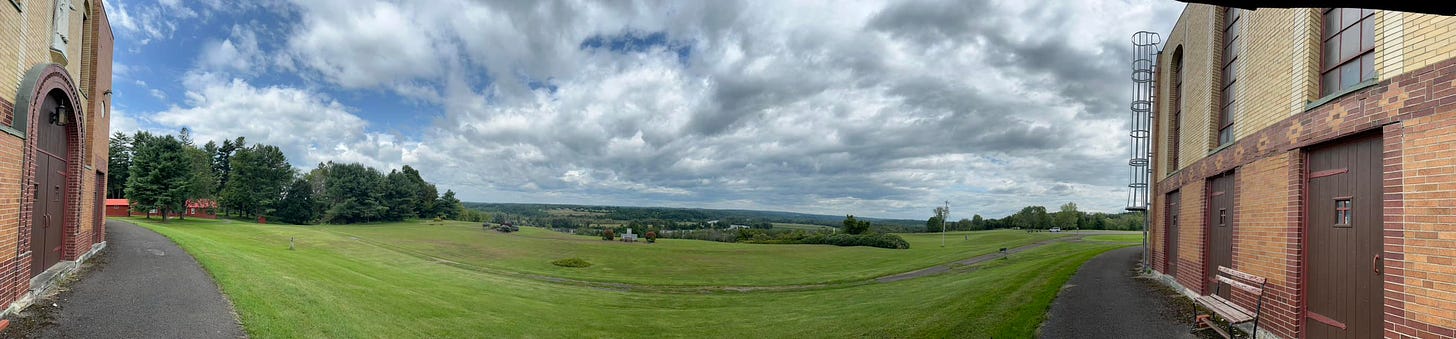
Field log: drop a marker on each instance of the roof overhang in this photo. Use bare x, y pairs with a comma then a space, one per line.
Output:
1427, 7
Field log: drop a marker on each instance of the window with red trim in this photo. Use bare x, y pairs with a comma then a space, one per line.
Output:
1348, 49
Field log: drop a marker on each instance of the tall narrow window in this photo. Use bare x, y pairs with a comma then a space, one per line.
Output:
1349, 46
1230, 74
1176, 121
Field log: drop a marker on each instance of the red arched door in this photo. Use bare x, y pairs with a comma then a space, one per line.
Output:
51, 165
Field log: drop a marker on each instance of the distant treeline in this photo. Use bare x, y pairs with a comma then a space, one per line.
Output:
163, 172
852, 233
1037, 217
667, 217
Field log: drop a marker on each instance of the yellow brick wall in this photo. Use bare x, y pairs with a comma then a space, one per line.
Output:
25, 39
1195, 33
10, 160
1408, 41
1278, 68
1277, 45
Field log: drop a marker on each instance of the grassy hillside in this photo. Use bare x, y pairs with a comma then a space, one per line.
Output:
338, 285
677, 261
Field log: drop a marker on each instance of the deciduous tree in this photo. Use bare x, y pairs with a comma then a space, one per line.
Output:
853, 226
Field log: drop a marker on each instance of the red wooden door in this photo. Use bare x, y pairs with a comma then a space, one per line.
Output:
48, 214
1220, 228
1343, 228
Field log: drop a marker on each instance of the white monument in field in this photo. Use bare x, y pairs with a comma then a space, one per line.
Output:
629, 236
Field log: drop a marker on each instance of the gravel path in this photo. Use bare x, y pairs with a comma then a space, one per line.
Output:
146, 287
1107, 299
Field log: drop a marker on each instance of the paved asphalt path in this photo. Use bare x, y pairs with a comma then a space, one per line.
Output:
1105, 299
149, 288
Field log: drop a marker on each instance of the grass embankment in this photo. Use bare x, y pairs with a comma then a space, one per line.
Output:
679, 262
1129, 238
337, 286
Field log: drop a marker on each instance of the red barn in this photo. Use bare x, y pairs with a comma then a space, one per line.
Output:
200, 208
118, 208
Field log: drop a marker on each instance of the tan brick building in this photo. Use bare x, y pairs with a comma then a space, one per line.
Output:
1316, 148
55, 99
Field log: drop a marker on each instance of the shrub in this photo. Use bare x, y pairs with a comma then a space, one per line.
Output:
881, 240
651, 237
571, 262
609, 234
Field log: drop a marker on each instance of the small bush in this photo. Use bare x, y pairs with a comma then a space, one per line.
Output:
609, 235
571, 262
651, 237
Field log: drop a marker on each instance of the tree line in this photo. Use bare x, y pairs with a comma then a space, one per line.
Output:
1037, 217
164, 172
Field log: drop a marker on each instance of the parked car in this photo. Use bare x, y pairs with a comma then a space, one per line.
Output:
1056, 229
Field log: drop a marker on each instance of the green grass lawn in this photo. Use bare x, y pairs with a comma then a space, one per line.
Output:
677, 262
1130, 238
336, 286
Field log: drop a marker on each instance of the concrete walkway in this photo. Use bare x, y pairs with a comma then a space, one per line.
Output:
1106, 299
147, 287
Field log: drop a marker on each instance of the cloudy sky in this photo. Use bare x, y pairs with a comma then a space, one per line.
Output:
870, 108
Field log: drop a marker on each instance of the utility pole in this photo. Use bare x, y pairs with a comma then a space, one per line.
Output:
945, 213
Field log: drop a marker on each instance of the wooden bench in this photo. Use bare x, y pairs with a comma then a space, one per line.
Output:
1227, 309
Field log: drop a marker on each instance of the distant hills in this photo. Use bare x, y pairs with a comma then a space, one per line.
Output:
674, 214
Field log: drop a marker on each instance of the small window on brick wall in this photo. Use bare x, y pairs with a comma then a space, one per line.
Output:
1342, 212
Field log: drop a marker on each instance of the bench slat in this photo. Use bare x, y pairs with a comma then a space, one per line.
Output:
1241, 275
1239, 285
1225, 309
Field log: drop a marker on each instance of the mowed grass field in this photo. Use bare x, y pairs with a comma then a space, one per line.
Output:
338, 285
677, 262
1133, 237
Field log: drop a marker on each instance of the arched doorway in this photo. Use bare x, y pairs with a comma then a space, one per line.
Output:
52, 166
49, 109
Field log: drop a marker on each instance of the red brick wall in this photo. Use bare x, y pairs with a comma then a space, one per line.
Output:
1192, 243
1266, 237
10, 209
17, 175
1420, 236
1416, 111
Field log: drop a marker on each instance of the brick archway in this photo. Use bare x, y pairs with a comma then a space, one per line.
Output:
41, 81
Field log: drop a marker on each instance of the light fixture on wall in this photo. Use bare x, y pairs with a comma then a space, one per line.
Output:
62, 114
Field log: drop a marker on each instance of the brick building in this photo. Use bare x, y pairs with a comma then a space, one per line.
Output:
1316, 148
55, 96
196, 208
